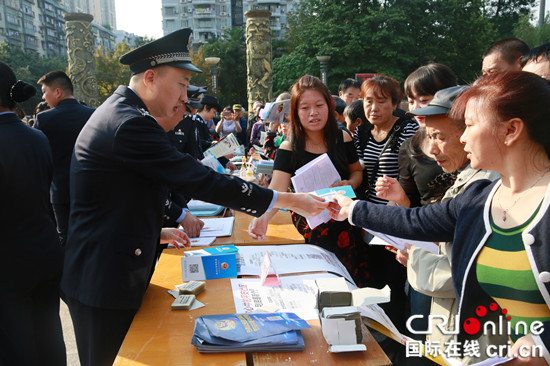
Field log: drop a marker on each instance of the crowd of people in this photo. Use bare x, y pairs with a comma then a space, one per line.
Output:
464, 166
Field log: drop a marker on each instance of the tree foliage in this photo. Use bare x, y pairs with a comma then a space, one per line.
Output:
110, 73
532, 35
393, 37
30, 67
231, 49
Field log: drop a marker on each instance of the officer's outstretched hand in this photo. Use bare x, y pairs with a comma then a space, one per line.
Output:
192, 225
258, 228
176, 237
304, 204
339, 210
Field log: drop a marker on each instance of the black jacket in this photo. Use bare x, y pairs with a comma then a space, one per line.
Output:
29, 246
122, 169
61, 125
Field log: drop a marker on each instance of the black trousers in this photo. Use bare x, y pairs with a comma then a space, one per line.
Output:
99, 332
30, 328
61, 212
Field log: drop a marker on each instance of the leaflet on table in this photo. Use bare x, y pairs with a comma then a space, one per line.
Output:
201, 208
296, 294
198, 242
399, 243
292, 258
208, 267
225, 146
222, 249
217, 226
317, 174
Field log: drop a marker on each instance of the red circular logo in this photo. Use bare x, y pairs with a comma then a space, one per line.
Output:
471, 326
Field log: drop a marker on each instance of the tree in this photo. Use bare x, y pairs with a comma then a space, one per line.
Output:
505, 14
532, 35
393, 37
231, 49
110, 73
29, 67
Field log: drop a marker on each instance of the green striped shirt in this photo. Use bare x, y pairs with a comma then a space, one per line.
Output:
504, 272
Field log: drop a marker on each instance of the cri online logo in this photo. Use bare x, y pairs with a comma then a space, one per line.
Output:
472, 326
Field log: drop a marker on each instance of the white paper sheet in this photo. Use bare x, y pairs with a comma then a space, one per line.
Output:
297, 294
376, 313
202, 242
317, 174
198, 242
294, 258
218, 226
399, 243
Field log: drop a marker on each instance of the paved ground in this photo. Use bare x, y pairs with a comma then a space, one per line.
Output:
68, 334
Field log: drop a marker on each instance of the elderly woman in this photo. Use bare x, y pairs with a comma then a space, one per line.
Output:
377, 145
501, 266
30, 331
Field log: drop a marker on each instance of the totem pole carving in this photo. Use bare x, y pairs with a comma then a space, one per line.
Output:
258, 56
80, 50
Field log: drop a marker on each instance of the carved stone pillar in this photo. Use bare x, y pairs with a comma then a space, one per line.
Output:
80, 50
258, 56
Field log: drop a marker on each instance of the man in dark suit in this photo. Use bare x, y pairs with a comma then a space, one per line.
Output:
122, 169
61, 124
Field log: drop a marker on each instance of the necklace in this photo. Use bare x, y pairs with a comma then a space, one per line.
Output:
505, 211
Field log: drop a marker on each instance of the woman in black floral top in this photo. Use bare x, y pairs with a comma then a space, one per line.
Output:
314, 131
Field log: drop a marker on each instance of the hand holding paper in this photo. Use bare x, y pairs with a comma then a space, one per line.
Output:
178, 238
339, 211
304, 204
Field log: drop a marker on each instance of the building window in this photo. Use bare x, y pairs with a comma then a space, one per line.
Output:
170, 23
13, 19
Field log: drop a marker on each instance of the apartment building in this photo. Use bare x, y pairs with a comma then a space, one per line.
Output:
38, 25
209, 19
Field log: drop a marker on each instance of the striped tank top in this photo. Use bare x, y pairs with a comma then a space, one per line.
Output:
504, 272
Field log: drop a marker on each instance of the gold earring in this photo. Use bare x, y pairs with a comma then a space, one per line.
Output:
505, 142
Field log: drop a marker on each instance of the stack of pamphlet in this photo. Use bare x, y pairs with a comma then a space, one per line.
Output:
201, 208
256, 332
264, 167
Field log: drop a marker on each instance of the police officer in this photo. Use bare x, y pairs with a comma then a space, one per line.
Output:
185, 138
122, 168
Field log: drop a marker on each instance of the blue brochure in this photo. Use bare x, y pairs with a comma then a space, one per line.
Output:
208, 267
245, 327
327, 193
240, 333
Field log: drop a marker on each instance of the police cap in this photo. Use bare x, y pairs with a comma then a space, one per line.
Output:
172, 49
195, 94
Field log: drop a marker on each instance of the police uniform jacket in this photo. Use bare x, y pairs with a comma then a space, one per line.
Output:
465, 221
122, 169
29, 245
62, 125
